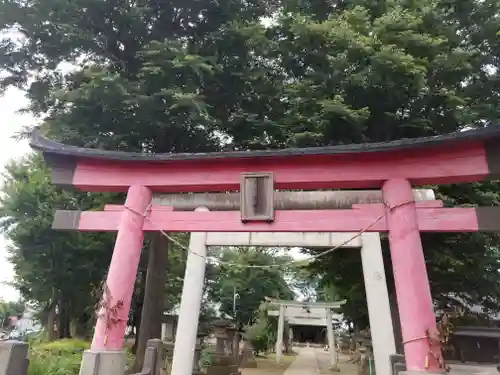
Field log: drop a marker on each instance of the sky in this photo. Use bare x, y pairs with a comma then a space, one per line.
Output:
11, 122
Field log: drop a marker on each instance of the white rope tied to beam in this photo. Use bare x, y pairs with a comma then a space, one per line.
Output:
283, 265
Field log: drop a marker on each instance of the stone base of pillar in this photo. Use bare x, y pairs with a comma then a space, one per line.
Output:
103, 363
335, 368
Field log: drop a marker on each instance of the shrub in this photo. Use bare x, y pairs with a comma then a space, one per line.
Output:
259, 336
205, 358
70, 346
62, 357
43, 363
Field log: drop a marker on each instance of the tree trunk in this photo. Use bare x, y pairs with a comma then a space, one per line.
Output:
82, 326
154, 296
51, 320
64, 319
137, 326
138, 312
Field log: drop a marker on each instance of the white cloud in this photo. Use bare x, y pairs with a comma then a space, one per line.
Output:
12, 122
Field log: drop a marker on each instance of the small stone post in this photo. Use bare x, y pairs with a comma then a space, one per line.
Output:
13, 358
168, 338
197, 353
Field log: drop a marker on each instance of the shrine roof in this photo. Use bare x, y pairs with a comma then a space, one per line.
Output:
56, 149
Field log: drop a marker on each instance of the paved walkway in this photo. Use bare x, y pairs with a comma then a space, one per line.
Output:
314, 361
311, 361
305, 363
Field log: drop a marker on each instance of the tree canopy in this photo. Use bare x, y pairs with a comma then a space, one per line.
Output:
244, 277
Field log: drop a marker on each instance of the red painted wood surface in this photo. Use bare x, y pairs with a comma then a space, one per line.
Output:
416, 311
429, 220
120, 207
426, 204
421, 166
110, 326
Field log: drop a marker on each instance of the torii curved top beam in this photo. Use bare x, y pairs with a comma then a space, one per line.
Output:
458, 157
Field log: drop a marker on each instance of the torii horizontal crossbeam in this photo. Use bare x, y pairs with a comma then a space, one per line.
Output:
283, 200
453, 158
369, 218
331, 305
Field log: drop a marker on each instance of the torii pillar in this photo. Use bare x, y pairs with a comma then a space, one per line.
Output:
279, 336
332, 348
416, 310
106, 355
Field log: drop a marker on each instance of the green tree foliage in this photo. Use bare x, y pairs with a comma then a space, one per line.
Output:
65, 269
52, 268
258, 334
252, 285
262, 334
8, 309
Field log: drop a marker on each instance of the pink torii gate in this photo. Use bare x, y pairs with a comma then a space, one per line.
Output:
394, 167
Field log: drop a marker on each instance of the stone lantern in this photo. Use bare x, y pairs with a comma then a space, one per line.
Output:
168, 327
223, 360
197, 353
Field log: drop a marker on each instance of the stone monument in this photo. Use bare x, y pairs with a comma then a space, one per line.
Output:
223, 360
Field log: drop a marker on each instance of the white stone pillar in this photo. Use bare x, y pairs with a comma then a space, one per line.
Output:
279, 336
332, 347
377, 298
189, 312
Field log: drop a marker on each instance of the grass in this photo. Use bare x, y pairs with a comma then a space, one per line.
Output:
63, 357
60, 357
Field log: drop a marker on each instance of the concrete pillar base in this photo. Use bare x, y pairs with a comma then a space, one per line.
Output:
103, 362
334, 369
